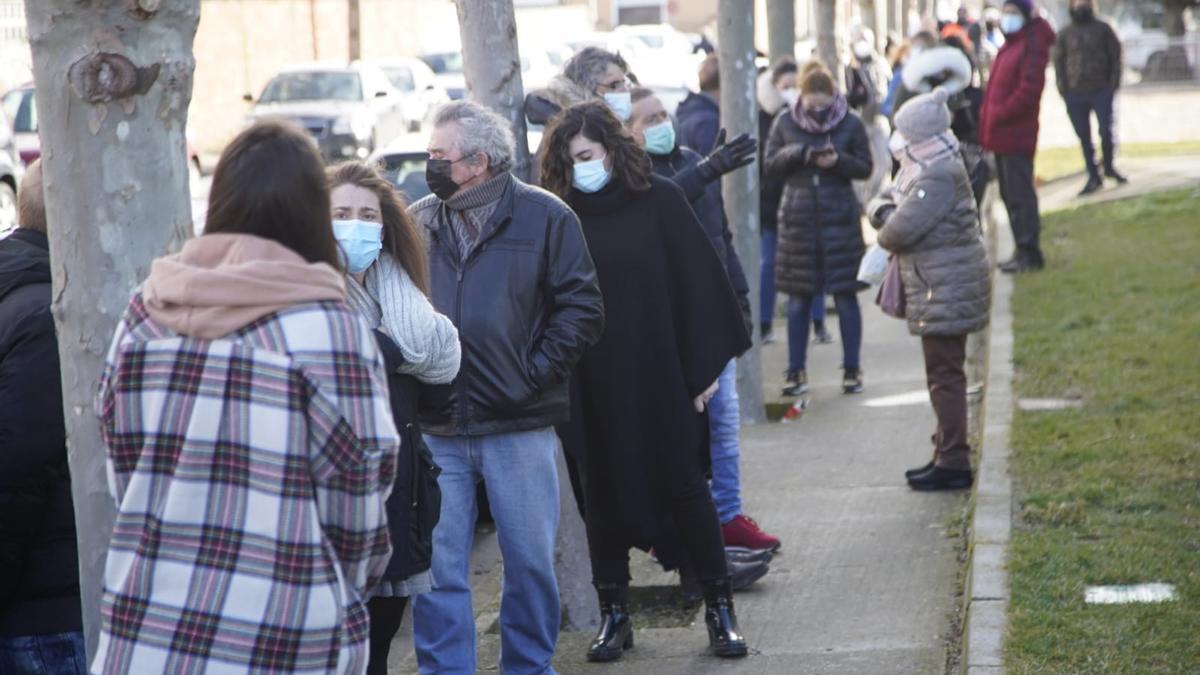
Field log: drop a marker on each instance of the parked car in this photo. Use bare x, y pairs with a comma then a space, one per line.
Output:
11, 171
349, 108
419, 89
448, 68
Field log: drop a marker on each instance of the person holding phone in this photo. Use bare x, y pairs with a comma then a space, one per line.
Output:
815, 151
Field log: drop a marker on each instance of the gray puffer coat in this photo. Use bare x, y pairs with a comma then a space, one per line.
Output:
934, 231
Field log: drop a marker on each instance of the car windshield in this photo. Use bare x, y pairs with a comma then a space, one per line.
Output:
443, 64
400, 77
407, 172
314, 86
19, 107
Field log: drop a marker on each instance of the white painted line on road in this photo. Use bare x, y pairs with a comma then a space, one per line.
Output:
917, 397
1045, 404
1122, 595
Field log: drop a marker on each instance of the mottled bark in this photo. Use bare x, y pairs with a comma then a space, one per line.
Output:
114, 80
781, 28
827, 48
492, 66
739, 114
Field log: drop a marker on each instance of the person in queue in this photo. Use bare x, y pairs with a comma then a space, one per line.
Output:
244, 412
672, 326
387, 283
509, 265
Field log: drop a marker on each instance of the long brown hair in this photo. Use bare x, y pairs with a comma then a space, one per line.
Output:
401, 238
631, 165
270, 183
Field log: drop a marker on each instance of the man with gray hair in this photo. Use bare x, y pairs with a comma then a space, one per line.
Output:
509, 265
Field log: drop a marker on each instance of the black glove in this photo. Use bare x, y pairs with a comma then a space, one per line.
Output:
727, 157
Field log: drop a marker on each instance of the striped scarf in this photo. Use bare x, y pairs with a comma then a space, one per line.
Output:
916, 157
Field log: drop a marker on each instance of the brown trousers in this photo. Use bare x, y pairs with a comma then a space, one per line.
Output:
947, 381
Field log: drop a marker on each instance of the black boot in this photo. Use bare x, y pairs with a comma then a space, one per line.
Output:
616, 625
742, 575
724, 638
938, 478
1111, 172
919, 470
1094, 183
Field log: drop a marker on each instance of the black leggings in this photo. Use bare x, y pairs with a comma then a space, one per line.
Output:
695, 518
386, 615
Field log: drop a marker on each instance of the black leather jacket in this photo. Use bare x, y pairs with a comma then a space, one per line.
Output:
527, 304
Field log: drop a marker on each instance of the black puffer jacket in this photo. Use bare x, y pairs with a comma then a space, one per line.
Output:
526, 303
705, 198
820, 236
39, 567
1087, 58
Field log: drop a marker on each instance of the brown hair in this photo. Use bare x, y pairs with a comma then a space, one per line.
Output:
596, 121
270, 183
784, 65
638, 93
816, 79
710, 73
401, 239
31, 201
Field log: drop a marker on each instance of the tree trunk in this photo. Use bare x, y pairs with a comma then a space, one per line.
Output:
114, 80
781, 28
492, 66
871, 16
354, 21
827, 48
739, 114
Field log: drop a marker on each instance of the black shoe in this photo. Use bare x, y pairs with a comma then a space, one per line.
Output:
1021, 264
920, 469
1111, 172
1094, 184
852, 381
724, 637
748, 555
742, 575
616, 625
937, 478
797, 383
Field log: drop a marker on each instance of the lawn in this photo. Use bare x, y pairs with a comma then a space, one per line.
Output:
1051, 163
1109, 493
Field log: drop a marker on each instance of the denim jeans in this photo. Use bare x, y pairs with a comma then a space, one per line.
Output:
520, 474
849, 322
1080, 108
57, 654
724, 416
766, 286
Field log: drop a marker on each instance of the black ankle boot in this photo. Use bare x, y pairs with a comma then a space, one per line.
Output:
1111, 172
616, 625
724, 638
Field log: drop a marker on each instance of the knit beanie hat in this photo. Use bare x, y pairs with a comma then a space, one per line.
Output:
1026, 6
924, 116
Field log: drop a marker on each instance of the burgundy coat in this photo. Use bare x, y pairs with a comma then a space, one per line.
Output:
1008, 122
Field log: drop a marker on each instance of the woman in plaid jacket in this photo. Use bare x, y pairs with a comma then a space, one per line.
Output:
250, 441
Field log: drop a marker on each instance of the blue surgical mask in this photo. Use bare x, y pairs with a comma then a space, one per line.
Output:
1011, 23
621, 104
360, 242
660, 138
590, 176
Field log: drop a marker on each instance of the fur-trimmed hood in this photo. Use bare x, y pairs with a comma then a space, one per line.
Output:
921, 73
769, 99
560, 93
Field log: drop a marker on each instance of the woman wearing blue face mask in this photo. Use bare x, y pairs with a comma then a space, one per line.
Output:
387, 283
639, 395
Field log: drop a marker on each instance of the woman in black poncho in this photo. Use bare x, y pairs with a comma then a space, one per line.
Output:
637, 430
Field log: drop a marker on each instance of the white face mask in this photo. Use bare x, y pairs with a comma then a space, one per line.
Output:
621, 104
791, 96
590, 176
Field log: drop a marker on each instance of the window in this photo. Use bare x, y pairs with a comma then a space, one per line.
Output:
449, 62
314, 86
401, 78
20, 108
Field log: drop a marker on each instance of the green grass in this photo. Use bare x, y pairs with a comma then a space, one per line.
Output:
1109, 493
1052, 163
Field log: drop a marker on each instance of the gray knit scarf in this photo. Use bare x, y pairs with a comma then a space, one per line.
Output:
471, 209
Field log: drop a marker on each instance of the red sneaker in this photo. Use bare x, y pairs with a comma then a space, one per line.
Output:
743, 533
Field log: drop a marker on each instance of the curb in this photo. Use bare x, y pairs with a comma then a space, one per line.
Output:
987, 592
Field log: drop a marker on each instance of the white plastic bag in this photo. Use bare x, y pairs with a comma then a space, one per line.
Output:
874, 262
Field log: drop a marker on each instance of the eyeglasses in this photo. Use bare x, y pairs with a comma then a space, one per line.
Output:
616, 85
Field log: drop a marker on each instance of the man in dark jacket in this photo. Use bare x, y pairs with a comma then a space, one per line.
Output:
509, 265
1087, 67
652, 126
1008, 124
40, 624
699, 115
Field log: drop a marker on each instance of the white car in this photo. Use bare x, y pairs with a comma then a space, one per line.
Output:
419, 88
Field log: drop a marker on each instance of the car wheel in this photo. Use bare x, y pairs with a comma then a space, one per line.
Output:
8, 208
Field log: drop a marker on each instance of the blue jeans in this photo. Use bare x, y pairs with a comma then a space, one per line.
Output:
849, 322
724, 416
57, 654
520, 474
766, 285
1080, 108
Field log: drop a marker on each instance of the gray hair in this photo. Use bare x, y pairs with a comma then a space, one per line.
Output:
586, 67
483, 131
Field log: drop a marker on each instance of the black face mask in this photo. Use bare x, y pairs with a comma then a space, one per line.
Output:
820, 114
1082, 14
437, 175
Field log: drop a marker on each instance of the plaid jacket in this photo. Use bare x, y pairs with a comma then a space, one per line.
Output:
250, 475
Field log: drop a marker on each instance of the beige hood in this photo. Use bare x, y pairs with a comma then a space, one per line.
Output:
219, 283
769, 98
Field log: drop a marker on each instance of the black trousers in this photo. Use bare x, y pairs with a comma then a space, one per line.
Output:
699, 528
1021, 201
947, 382
386, 614
1080, 108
